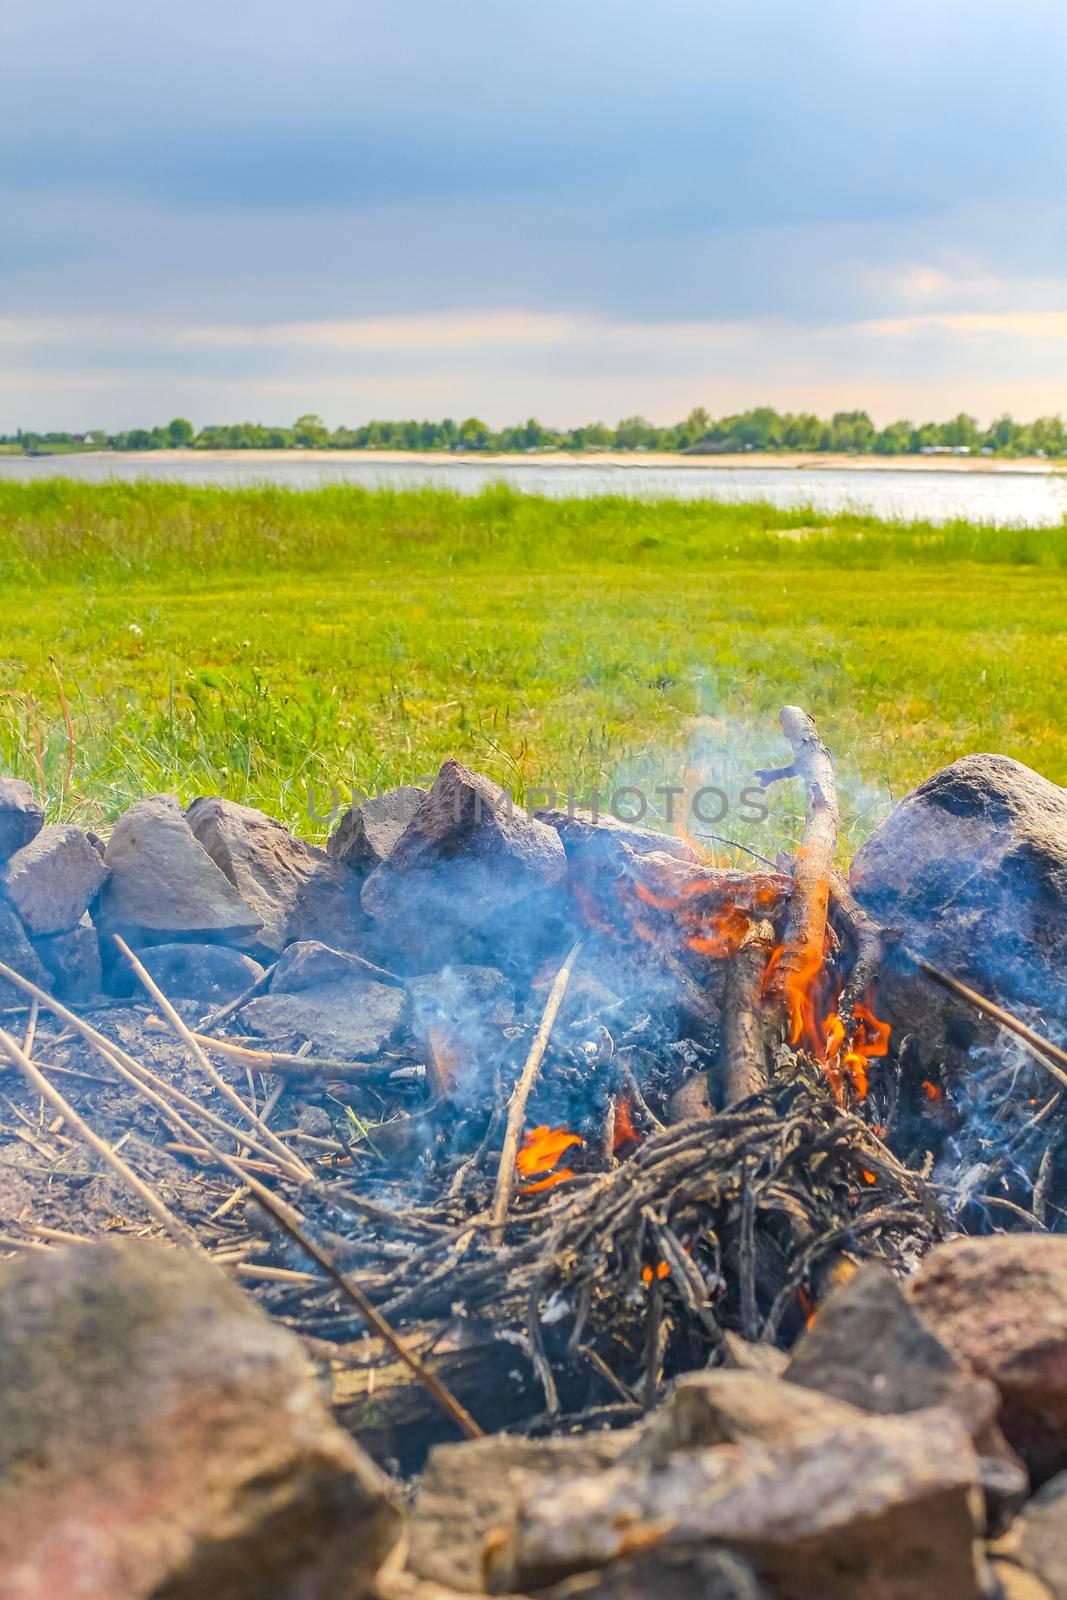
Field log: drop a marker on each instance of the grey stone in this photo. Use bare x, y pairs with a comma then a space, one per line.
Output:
884, 1508
308, 962
468, 1490
73, 961
462, 994
21, 816
1000, 1305
468, 854
1038, 1540
869, 1346
297, 890
665, 1575
743, 1355
733, 1407
200, 971
354, 1019
368, 833
16, 951
52, 880
972, 868
163, 885
585, 834
162, 1436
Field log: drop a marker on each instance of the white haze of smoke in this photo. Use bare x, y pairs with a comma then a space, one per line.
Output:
723, 753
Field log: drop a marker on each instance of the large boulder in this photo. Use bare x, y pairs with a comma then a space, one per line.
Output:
367, 834
52, 881
468, 858
1000, 1305
971, 867
161, 1436
21, 816
163, 885
296, 890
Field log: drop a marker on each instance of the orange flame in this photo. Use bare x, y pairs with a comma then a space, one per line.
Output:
811, 998
542, 1148
624, 1125
662, 1271
550, 1182
715, 931
933, 1093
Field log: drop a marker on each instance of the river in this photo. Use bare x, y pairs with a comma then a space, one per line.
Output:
1032, 497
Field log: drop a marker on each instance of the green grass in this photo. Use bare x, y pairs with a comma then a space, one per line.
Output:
261, 642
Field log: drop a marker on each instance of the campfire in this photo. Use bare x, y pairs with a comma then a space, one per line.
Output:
518, 1122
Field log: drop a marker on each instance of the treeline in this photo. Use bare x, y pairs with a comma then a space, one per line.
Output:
762, 429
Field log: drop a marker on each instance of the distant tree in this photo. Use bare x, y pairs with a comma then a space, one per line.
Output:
894, 440
475, 434
180, 434
311, 432
633, 433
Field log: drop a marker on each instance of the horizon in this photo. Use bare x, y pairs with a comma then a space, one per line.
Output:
333, 213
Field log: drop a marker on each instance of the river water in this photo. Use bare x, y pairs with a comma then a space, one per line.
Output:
1030, 497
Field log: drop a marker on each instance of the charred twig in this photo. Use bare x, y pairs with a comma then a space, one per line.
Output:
744, 1043
868, 939
804, 937
505, 1178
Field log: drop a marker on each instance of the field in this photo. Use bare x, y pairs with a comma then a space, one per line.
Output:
279, 647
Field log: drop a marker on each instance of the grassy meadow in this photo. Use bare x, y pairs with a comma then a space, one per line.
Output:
270, 644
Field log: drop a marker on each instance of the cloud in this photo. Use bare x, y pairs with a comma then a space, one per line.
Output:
446, 203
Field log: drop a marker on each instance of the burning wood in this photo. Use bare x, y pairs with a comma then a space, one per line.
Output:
571, 1175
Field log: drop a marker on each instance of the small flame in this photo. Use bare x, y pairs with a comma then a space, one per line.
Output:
933, 1093
550, 1182
625, 1132
541, 1149
662, 1271
716, 931
810, 994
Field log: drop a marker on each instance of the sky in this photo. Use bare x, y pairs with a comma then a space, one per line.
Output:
579, 210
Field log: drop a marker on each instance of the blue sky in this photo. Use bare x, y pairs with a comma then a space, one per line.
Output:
238, 210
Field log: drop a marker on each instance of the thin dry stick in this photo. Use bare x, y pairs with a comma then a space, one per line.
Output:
505, 1177
149, 984
178, 1230
31, 1028
298, 1066
140, 1077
